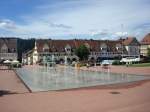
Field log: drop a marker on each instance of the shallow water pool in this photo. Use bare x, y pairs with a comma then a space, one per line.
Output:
44, 79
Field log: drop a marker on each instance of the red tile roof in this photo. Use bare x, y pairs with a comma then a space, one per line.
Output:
40, 44
11, 43
93, 44
59, 45
146, 39
130, 40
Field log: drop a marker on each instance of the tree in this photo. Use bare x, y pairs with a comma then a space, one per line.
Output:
24, 45
82, 52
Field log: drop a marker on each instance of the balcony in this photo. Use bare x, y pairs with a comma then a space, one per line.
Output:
56, 54
12, 56
106, 54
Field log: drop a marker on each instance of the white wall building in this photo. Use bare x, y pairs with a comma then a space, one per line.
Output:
60, 50
132, 47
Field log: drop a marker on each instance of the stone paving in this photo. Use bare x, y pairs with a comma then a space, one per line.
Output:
126, 98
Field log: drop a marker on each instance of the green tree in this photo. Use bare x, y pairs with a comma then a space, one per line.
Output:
24, 45
82, 52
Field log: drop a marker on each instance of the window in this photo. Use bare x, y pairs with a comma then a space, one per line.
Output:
45, 48
103, 47
68, 48
87, 45
118, 47
14, 50
4, 48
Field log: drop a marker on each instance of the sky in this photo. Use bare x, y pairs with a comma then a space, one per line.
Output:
68, 19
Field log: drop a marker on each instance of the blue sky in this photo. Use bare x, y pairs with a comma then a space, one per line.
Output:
66, 19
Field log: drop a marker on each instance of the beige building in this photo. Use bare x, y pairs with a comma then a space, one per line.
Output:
132, 46
61, 50
8, 49
145, 44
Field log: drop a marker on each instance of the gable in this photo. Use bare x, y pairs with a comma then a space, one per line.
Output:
68, 46
45, 46
4, 48
134, 42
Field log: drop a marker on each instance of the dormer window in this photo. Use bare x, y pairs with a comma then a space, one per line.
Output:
68, 48
118, 47
45, 48
87, 45
4, 48
13, 50
103, 47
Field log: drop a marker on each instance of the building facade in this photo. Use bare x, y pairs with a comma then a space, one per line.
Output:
61, 50
145, 44
132, 46
8, 49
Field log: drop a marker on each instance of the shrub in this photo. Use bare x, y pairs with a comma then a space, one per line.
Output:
145, 60
117, 62
16, 65
82, 64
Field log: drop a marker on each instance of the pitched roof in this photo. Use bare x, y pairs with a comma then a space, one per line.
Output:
59, 45
112, 45
146, 39
10, 42
130, 40
93, 44
41, 42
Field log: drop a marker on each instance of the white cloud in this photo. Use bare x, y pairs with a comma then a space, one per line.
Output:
60, 26
121, 34
77, 17
7, 24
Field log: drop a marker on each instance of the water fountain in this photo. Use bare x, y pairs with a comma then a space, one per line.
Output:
66, 62
53, 58
44, 61
66, 78
53, 61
